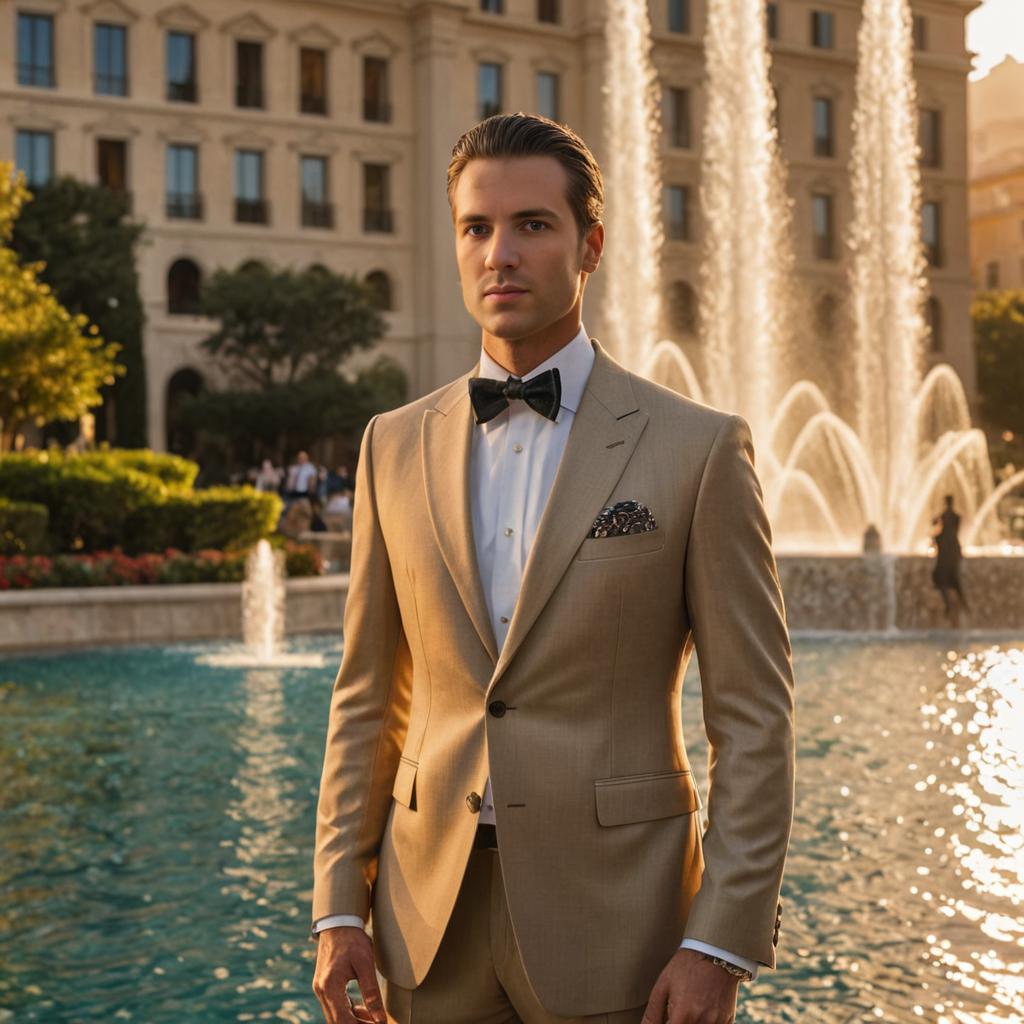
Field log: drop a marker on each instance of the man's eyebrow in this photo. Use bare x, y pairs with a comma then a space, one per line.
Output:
479, 218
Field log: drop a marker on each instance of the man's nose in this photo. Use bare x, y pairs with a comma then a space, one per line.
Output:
502, 251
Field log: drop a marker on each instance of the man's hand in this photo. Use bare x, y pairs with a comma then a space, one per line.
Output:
692, 990
345, 954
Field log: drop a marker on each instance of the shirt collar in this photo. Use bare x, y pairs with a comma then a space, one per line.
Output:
573, 360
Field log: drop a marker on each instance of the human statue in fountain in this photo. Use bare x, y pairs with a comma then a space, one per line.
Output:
946, 573
538, 548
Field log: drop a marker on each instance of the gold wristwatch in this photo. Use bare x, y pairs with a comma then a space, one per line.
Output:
738, 972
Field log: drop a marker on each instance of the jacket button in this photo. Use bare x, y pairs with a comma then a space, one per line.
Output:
496, 708
474, 801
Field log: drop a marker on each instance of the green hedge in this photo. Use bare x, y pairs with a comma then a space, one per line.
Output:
226, 518
22, 527
136, 500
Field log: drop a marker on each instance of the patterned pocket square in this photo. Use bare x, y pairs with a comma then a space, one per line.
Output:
622, 518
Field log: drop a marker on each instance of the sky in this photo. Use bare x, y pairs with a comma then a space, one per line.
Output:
994, 30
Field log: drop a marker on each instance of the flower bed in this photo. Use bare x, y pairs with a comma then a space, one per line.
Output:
114, 568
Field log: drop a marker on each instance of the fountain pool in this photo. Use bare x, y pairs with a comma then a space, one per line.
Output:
157, 816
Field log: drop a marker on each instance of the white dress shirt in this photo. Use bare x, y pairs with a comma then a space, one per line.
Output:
514, 460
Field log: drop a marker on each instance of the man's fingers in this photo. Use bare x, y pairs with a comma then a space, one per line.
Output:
367, 974
329, 984
656, 1005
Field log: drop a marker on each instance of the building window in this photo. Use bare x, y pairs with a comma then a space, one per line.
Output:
678, 113
250, 204
34, 156
547, 94
992, 274
35, 50
930, 137
933, 318
376, 90
312, 81
931, 233
822, 30
771, 16
492, 6
317, 210
677, 212
547, 11
824, 227
823, 132
183, 287
248, 74
380, 290
377, 213
111, 59
112, 164
183, 199
920, 32
679, 16
490, 89
682, 308
181, 67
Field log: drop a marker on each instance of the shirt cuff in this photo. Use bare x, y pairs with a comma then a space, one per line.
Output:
337, 921
706, 947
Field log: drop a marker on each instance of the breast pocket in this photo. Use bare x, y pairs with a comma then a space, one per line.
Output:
619, 547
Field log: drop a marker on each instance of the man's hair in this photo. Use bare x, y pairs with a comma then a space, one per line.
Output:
510, 135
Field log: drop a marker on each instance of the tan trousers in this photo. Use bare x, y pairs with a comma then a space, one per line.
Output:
477, 976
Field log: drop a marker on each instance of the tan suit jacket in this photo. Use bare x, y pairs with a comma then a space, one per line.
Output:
604, 863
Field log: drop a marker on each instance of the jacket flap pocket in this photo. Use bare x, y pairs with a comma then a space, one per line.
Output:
627, 798
404, 790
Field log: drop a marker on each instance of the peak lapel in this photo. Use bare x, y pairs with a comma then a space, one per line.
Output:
604, 434
446, 440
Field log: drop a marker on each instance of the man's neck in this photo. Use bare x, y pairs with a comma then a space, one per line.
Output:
519, 356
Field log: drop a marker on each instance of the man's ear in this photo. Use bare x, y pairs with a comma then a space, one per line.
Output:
593, 247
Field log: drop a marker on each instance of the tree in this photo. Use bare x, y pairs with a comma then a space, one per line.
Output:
999, 346
82, 234
285, 326
52, 362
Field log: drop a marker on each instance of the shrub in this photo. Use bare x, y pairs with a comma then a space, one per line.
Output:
175, 473
22, 527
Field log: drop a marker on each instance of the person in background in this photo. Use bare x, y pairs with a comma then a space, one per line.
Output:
946, 573
268, 477
302, 478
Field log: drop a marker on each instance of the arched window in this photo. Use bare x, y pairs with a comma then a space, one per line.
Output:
933, 317
183, 281
180, 438
380, 286
682, 307
825, 315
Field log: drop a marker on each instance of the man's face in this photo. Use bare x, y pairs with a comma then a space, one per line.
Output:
515, 231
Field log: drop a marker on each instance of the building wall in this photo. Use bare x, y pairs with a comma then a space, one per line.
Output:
434, 48
997, 177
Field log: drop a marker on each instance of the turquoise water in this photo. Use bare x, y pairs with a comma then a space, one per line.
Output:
156, 829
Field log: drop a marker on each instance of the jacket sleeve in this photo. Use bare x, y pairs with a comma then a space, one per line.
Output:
735, 604
368, 720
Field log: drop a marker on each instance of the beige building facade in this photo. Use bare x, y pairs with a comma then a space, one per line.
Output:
318, 132
996, 119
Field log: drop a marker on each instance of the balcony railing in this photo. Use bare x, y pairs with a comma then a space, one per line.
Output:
110, 85
182, 92
376, 110
184, 205
252, 211
378, 220
40, 75
310, 103
317, 215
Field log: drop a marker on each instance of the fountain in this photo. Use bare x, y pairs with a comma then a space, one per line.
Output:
907, 438
263, 613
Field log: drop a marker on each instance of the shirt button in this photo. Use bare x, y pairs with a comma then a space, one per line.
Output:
504, 618
517, 448
509, 531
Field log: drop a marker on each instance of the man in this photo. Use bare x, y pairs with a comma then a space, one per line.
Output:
537, 549
302, 477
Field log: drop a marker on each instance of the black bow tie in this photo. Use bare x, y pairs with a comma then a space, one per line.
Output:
542, 393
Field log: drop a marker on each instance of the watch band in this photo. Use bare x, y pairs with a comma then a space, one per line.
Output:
738, 972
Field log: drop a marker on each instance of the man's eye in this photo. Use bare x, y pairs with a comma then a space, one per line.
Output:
470, 230
538, 222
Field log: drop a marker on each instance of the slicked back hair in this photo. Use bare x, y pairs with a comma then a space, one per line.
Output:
512, 135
